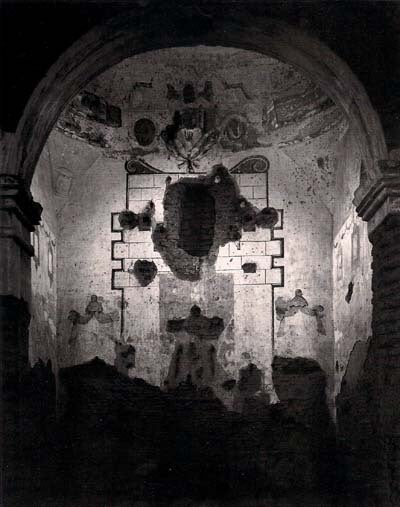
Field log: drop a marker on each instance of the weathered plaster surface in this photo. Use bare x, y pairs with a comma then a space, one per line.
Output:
43, 333
84, 261
352, 277
260, 107
352, 273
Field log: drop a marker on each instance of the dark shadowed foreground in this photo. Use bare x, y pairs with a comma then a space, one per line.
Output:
128, 441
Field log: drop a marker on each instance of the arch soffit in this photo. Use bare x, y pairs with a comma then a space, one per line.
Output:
124, 36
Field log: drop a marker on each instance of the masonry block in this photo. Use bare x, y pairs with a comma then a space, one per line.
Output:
247, 248
136, 206
262, 261
257, 278
151, 194
115, 223
121, 250
141, 250
258, 235
135, 194
279, 223
134, 282
260, 192
259, 203
116, 265
253, 179
136, 236
141, 180
121, 279
228, 263
273, 248
247, 192
224, 251
274, 276
159, 179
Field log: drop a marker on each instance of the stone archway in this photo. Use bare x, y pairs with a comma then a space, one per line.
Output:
103, 47
131, 34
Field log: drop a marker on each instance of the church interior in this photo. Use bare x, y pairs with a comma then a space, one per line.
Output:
200, 253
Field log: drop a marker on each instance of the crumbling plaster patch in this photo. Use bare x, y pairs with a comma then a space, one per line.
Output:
300, 179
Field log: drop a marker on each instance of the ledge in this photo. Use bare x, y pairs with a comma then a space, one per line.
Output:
376, 200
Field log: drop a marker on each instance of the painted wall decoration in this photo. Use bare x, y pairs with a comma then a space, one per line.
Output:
200, 215
194, 359
184, 94
202, 323
63, 182
190, 137
145, 131
89, 331
299, 326
183, 112
144, 271
237, 133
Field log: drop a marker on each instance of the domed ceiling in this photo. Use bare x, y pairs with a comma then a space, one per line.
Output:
187, 109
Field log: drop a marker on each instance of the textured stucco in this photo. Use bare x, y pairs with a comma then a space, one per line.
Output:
287, 121
43, 333
84, 261
85, 269
352, 273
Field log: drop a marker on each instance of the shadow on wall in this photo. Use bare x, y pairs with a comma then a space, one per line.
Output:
200, 215
123, 438
193, 362
368, 421
195, 370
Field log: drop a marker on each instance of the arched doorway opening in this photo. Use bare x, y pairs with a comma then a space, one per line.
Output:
67, 78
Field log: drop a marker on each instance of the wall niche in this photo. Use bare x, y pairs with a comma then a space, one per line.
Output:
201, 215
197, 219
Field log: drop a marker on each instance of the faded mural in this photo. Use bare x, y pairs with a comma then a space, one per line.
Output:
216, 169
194, 271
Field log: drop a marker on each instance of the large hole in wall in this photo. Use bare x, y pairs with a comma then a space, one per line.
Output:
197, 220
200, 216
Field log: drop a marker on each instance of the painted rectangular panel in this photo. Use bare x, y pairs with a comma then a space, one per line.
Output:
253, 327
174, 303
142, 324
214, 295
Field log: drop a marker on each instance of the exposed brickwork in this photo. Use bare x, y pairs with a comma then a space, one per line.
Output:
368, 412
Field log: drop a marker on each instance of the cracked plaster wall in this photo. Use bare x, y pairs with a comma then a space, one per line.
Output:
85, 268
42, 331
351, 266
291, 124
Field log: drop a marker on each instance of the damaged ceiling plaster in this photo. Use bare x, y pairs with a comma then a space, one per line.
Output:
241, 101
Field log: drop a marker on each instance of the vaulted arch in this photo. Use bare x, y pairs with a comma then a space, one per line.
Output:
126, 35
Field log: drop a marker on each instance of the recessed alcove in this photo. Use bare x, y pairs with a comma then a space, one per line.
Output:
203, 253
197, 220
